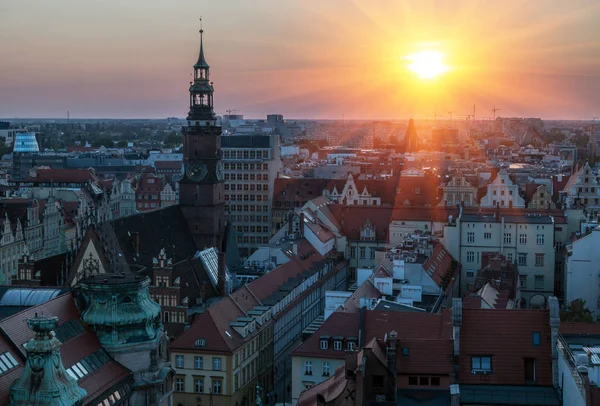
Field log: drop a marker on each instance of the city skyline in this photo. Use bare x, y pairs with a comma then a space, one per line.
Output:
313, 60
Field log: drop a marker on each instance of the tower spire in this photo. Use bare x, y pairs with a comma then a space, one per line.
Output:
201, 63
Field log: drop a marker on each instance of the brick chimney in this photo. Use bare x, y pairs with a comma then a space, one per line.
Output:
391, 364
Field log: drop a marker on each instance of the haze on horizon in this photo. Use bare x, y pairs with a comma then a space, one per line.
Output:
303, 59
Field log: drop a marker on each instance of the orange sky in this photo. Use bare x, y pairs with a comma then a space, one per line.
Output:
303, 59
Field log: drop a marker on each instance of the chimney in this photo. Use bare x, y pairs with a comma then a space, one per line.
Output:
456, 324
361, 327
391, 364
222, 281
454, 395
554, 325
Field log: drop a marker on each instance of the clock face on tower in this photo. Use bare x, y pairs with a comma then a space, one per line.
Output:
197, 172
219, 171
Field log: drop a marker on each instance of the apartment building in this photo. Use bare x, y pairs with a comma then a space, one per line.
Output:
224, 354
251, 164
526, 239
244, 339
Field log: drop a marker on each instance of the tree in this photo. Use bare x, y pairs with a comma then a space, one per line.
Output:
122, 144
576, 311
103, 141
172, 139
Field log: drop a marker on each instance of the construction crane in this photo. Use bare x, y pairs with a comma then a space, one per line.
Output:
495, 110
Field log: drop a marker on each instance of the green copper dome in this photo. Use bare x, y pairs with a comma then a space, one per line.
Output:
44, 381
120, 310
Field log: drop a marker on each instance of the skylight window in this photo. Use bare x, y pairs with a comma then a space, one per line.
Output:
7, 362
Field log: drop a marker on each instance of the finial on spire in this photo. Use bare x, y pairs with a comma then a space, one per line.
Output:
201, 63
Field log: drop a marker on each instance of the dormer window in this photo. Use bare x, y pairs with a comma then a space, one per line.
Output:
337, 345
201, 342
351, 346
324, 343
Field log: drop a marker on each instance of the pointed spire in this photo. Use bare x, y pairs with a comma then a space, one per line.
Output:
201, 63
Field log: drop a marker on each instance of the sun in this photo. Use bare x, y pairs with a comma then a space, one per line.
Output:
427, 64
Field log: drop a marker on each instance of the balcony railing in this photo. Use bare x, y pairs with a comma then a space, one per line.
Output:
565, 352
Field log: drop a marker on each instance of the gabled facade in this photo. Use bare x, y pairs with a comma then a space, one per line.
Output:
458, 191
502, 192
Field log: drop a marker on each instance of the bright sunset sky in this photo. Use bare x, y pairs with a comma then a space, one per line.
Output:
301, 58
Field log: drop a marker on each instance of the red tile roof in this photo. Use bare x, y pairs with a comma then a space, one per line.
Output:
506, 336
320, 231
330, 389
267, 284
63, 176
168, 165
429, 338
338, 324
213, 324
366, 290
439, 265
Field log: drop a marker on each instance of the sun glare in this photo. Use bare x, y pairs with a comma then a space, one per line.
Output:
427, 64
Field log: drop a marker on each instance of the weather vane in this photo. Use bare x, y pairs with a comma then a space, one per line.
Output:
200, 24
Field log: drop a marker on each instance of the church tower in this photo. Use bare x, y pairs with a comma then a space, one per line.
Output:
201, 191
410, 139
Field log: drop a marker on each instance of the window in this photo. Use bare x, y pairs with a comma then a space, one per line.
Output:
481, 364
529, 366
198, 362
540, 239
522, 238
179, 385
435, 381
507, 238
470, 256
179, 361
471, 237
199, 385
362, 252
470, 274
523, 281
522, 259
405, 351
509, 257
372, 252
308, 370
487, 236
324, 344
539, 259
538, 282
352, 252
217, 387
326, 369
423, 381
337, 345
413, 380
351, 346
536, 338
216, 363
